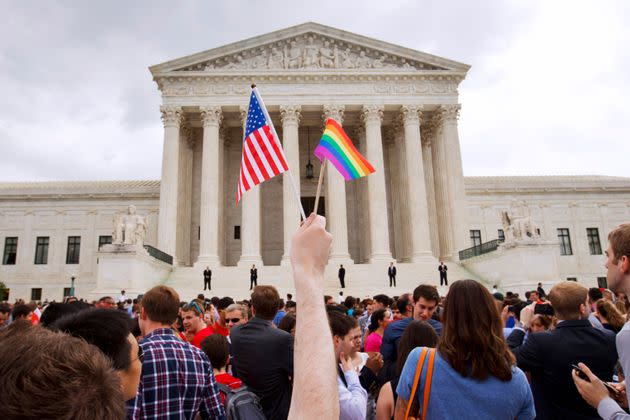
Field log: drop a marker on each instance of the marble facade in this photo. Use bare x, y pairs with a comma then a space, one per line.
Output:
401, 109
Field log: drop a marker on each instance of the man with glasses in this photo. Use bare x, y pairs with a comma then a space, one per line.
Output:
194, 324
235, 314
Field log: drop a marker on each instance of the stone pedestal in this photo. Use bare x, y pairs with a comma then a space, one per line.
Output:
129, 268
518, 266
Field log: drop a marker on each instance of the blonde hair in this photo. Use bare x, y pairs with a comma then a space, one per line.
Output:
566, 298
609, 312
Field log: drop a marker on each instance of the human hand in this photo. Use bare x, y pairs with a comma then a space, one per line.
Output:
310, 246
594, 391
346, 362
621, 397
374, 362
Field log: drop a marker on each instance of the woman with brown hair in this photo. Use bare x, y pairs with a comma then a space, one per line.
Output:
416, 334
472, 369
609, 315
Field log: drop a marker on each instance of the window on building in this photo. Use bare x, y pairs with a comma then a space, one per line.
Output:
538, 231
475, 237
501, 235
602, 282
104, 240
237, 232
74, 248
66, 292
41, 250
36, 294
594, 246
565, 241
571, 278
10, 250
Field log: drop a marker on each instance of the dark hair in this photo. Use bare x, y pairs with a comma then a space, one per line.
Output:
402, 303
527, 294
383, 300
287, 323
349, 302
265, 300
340, 323
594, 294
46, 374
225, 302
55, 311
416, 334
21, 310
289, 296
161, 304
517, 308
106, 329
427, 292
217, 349
327, 298
290, 304
280, 303
5, 308
472, 337
376, 317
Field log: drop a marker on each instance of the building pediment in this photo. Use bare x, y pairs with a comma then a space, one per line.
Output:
307, 48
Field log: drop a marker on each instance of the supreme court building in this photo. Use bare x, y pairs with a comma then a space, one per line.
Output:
399, 106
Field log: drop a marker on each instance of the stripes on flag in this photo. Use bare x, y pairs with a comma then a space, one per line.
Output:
262, 157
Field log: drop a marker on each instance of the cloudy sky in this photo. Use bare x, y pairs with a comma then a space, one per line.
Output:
548, 92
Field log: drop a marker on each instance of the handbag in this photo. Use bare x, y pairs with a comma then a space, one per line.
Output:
427, 383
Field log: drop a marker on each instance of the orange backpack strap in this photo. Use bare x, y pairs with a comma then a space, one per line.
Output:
427, 384
414, 388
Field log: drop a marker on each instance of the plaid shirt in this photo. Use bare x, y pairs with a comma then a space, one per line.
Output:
176, 382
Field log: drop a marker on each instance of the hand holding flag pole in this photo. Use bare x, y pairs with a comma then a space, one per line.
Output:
335, 146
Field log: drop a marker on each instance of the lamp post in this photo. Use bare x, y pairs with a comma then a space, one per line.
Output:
309, 165
72, 277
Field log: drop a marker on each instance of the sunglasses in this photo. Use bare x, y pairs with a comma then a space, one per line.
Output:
233, 320
193, 305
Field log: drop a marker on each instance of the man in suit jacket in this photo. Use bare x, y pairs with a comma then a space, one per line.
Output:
549, 355
342, 276
442, 268
263, 355
207, 276
253, 277
391, 272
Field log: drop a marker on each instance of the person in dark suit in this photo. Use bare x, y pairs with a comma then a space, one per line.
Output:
391, 272
263, 355
442, 268
548, 356
541, 291
342, 276
207, 276
253, 277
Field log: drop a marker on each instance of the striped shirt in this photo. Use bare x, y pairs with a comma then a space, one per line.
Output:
176, 382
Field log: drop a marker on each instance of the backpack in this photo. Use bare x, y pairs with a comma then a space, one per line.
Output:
241, 403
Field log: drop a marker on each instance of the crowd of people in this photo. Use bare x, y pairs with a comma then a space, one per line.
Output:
474, 353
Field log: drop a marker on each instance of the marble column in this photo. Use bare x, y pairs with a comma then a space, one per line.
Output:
427, 130
379, 236
455, 174
363, 234
184, 205
250, 221
290, 115
167, 223
336, 212
416, 188
211, 117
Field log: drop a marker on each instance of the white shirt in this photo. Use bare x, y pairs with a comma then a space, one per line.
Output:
353, 398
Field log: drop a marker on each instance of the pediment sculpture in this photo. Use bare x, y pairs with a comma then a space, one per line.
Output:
310, 52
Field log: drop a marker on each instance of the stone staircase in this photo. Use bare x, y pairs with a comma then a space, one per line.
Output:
361, 280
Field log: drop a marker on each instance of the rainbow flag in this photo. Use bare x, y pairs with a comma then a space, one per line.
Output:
336, 146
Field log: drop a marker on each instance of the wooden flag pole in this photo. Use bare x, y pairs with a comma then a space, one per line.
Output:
273, 130
322, 169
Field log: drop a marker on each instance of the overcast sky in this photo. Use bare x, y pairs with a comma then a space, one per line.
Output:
548, 92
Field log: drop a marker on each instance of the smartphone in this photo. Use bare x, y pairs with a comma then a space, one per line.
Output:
613, 392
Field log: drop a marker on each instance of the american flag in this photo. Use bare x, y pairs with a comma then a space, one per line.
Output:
263, 157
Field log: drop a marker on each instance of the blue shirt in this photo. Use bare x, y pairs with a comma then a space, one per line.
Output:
393, 333
278, 317
457, 397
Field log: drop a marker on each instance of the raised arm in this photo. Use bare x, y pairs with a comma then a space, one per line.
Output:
315, 394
